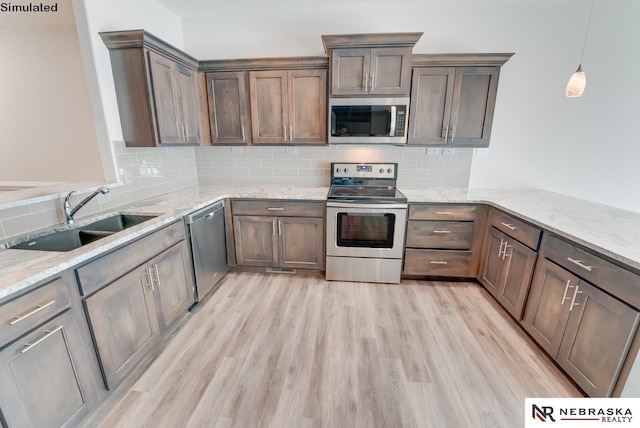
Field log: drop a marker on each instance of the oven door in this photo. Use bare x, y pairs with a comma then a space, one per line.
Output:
366, 230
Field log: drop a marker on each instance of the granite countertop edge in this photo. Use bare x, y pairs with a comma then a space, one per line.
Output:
21, 270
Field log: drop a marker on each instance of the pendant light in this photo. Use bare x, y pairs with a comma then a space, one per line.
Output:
578, 80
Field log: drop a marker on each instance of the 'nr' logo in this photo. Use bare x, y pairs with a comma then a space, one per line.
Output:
542, 413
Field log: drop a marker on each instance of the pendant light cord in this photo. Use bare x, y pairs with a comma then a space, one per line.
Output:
586, 36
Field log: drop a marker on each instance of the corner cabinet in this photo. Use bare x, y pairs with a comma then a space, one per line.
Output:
158, 90
370, 64
288, 106
131, 300
279, 234
453, 98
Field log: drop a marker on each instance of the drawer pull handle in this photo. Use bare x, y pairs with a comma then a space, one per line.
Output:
30, 346
441, 231
438, 262
573, 301
38, 308
275, 209
578, 263
444, 213
507, 225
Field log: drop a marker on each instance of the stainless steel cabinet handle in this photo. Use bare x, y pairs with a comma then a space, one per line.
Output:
453, 133
147, 274
578, 263
275, 209
504, 253
186, 130
279, 227
573, 301
155, 269
373, 79
366, 82
244, 138
38, 308
441, 231
284, 127
508, 226
566, 289
444, 213
502, 243
438, 262
30, 346
291, 133
445, 133
273, 227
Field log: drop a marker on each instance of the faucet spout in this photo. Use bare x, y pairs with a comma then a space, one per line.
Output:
69, 212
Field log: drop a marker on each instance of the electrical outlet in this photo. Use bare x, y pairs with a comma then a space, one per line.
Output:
449, 151
290, 150
482, 151
433, 151
236, 150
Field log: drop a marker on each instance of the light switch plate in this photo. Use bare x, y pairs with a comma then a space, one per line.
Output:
236, 150
449, 151
433, 151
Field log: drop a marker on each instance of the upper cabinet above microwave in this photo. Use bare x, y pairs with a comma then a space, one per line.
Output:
370, 64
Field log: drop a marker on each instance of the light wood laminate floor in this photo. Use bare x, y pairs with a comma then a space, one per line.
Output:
291, 351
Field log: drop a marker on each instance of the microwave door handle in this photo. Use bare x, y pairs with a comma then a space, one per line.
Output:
392, 127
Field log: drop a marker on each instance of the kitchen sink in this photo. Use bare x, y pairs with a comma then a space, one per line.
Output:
70, 239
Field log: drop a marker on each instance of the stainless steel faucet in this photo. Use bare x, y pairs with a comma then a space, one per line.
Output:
69, 212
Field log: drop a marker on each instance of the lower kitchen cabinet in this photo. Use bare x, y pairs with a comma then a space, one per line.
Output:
587, 331
294, 238
48, 377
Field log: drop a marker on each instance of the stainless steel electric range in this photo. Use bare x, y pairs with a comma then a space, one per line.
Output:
366, 222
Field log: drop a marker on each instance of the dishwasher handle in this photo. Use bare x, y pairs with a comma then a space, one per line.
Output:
206, 213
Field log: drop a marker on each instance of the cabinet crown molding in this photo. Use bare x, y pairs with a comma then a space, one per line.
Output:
256, 64
461, 59
369, 40
131, 39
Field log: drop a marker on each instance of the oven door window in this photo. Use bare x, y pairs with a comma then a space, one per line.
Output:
365, 230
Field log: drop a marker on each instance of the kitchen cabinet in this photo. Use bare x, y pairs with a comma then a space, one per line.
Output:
509, 256
375, 71
288, 106
158, 90
134, 295
442, 240
575, 312
228, 97
48, 374
370, 64
279, 234
453, 98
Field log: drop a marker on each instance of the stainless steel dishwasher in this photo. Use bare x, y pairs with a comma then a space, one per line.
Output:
206, 232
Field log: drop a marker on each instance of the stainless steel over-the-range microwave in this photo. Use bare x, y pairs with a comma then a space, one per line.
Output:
368, 120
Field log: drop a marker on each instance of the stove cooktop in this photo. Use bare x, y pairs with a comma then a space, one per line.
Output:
366, 194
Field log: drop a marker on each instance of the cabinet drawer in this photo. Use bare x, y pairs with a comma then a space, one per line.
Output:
32, 309
443, 212
437, 263
527, 234
278, 208
457, 235
106, 269
612, 278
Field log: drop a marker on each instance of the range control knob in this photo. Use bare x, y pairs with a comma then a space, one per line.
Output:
389, 170
346, 170
381, 170
338, 170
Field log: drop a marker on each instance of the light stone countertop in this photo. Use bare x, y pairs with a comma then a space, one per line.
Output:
611, 231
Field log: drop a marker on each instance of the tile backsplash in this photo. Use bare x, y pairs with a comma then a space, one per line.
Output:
309, 166
148, 172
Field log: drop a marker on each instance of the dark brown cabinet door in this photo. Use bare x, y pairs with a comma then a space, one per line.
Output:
165, 99
596, 340
430, 111
189, 107
256, 240
269, 107
307, 106
492, 270
228, 107
390, 71
172, 285
519, 261
301, 242
547, 309
124, 322
350, 71
41, 382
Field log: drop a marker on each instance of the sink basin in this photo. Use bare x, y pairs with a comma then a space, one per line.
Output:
70, 239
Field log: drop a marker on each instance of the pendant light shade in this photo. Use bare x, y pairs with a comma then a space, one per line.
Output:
577, 83
578, 80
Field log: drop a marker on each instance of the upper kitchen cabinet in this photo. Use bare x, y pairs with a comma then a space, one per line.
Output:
370, 64
159, 91
228, 96
453, 98
288, 106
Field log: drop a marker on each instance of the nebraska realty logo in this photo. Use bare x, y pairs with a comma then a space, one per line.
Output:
581, 412
28, 7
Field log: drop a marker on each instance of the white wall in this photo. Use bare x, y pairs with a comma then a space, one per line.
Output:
583, 147
48, 132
